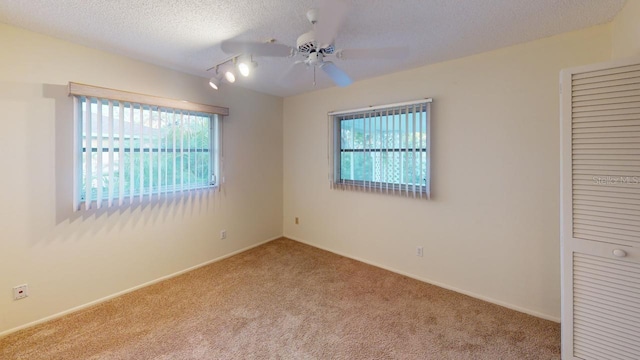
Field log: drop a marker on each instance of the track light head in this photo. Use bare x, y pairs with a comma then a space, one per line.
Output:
246, 65
230, 76
244, 69
214, 83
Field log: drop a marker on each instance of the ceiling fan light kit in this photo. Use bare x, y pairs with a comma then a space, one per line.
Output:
315, 49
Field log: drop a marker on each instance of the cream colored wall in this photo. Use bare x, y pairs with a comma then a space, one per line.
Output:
625, 31
492, 228
69, 261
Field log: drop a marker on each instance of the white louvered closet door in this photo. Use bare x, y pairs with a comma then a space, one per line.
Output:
601, 211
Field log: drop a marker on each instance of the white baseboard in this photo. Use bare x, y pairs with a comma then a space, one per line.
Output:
436, 283
109, 297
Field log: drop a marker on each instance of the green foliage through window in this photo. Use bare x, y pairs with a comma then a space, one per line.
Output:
384, 148
132, 150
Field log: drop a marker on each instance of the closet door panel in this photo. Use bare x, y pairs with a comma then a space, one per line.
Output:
600, 119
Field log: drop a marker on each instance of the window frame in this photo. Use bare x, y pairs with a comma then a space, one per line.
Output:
336, 149
145, 104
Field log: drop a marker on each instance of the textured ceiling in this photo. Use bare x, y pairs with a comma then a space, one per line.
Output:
186, 34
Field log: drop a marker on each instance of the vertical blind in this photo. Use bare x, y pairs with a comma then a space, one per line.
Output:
128, 151
385, 149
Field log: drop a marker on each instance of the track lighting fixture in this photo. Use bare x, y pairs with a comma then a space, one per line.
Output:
227, 69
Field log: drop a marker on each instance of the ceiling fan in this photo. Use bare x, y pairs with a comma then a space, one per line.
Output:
315, 48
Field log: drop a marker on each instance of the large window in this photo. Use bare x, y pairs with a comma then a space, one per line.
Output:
383, 149
128, 151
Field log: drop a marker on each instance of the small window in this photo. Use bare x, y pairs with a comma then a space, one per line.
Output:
383, 149
128, 151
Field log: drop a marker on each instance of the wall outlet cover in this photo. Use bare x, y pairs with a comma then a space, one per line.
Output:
20, 292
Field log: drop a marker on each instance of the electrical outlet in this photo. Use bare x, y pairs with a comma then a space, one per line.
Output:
20, 292
419, 251
297, 221
223, 234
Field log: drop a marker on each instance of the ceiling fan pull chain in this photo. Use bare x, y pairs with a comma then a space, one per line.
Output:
314, 75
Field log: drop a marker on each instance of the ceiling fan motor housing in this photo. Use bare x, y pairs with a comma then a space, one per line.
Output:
307, 44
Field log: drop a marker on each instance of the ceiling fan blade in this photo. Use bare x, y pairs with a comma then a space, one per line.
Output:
256, 48
331, 15
336, 74
293, 73
400, 52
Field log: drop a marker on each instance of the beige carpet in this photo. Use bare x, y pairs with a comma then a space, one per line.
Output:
286, 300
